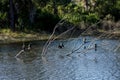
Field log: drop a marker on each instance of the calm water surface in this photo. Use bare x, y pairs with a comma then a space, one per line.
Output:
62, 64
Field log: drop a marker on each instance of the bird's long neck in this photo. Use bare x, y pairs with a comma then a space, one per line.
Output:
23, 46
29, 46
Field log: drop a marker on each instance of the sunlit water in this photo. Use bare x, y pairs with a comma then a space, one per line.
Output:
62, 64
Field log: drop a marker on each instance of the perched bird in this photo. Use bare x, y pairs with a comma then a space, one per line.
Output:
60, 46
26, 54
24, 50
84, 40
23, 46
84, 47
29, 46
95, 47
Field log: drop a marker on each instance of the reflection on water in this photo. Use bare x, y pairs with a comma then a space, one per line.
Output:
82, 64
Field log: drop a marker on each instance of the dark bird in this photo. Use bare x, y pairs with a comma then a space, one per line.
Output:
95, 47
84, 47
29, 46
84, 40
23, 46
24, 50
60, 46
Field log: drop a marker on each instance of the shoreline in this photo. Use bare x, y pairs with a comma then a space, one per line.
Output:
7, 38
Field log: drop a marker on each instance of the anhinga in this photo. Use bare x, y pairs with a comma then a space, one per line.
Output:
84, 40
95, 47
60, 46
24, 49
29, 46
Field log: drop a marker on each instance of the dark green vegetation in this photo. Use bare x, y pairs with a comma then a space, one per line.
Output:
37, 15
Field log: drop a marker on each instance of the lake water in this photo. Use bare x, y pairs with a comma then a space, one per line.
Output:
75, 61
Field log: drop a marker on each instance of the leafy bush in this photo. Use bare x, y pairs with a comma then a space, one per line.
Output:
3, 20
92, 18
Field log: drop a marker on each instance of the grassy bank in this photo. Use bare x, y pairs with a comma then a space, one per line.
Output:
7, 36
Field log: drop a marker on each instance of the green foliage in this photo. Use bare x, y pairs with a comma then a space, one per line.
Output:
3, 13
76, 13
61, 10
3, 5
3, 16
105, 7
40, 3
73, 18
45, 19
92, 18
48, 8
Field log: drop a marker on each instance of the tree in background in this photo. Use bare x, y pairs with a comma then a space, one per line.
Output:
4, 8
44, 14
12, 15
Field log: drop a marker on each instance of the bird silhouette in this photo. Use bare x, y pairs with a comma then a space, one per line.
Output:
84, 40
60, 45
23, 46
24, 50
29, 46
27, 54
95, 47
21, 51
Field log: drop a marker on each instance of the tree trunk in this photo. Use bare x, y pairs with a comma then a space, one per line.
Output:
55, 11
12, 17
32, 12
